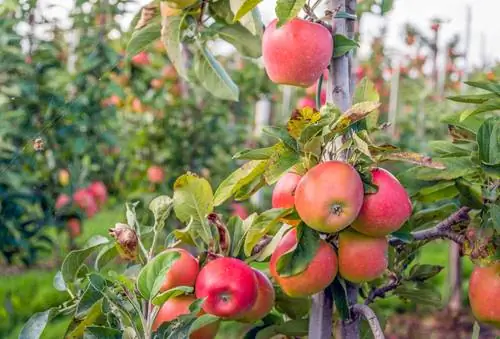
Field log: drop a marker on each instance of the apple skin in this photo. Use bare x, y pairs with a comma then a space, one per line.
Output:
62, 200
84, 200
306, 102
177, 306
484, 294
316, 277
362, 258
385, 211
63, 177
183, 271
156, 174
265, 299
141, 59
73, 226
229, 286
329, 196
239, 210
297, 53
99, 191
284, 194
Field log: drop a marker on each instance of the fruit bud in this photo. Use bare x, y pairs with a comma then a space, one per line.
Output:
126, 241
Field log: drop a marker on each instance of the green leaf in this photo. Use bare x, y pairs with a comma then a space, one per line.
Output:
470, 124
255, 154
295, 308
494, 213
213, 77
419, 294
193, 201
428, 215
34, 327
252, 20
455, 168
171, 31
343, 45
152, 275
271, 247
75, 259
424, 272
297, 259
340, 298
282, 134
236, 234
161, 298
488, 139
448, 149
280, 162
440, 191
239, 178
243, 8
91, 295
58, 282
77, 326
101, 332
473, 98
355, 113
202, 321
161, 207
293, 328
244, 41
287, 10
486, 85
488, 106
261, 226
470, 193
386, 6
143, 37
105, 255
365, 91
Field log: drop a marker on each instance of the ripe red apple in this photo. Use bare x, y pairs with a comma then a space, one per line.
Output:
85, 201
306, 102
74, 227
62, 200
177, 306
362, 258
156, 174
296, 53
239, 210
99, 191
265, 299
385, 211
229, 286
141, 59
284, 194
156, 83
183, 271
329, 196
484, 294
317, 276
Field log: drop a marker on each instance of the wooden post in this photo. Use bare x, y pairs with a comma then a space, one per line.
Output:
393, 98
339, 93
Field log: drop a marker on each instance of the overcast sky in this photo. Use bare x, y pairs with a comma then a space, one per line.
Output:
485, 32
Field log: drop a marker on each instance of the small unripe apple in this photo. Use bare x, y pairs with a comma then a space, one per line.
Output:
386, 210
484, 294
362, 258
316, 277
229, 286
183, 271
329, 196
296, 53
265, 299
64, 177
177, 306
156, 174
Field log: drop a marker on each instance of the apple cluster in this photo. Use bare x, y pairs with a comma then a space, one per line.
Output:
330, 198
231, 290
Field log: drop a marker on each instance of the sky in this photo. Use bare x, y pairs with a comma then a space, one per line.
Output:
485, 25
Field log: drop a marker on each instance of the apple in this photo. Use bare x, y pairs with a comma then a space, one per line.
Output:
329, 196
177, 306
362, 258
484, 294
99, 192
229, 286
284, 194
239, 210
141, 59
317, 276
62, 200
296, 53
63, 177
85, 201
156, 83
155, 174
183, 271
385, 211
306, 102
137, 106
169, 73
74, 227
265, 299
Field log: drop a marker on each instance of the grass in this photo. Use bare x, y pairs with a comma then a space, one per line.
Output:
32, 291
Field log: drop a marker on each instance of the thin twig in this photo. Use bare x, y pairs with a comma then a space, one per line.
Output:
371, 318
381, 291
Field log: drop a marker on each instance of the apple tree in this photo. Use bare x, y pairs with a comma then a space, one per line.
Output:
342, 231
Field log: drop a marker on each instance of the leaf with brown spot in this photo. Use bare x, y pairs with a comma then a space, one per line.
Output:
300, 119
355, 113
414, 158
381, 149
458, 133
148, 13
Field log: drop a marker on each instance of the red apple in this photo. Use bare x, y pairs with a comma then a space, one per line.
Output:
156, 83
229, 286
239, 210
284, 191
62, 200
85, 201
74, 227
169, 73
317, 276
385, 211
484, 294
141, 59
296, 53
329, 196
183, 271
177, 306
265, 299
156, 174
99, 191
306, 102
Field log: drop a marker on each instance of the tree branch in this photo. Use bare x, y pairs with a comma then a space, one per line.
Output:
441, 230
371, 318
381, 291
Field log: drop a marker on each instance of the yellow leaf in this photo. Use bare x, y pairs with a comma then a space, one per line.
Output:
300, 119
